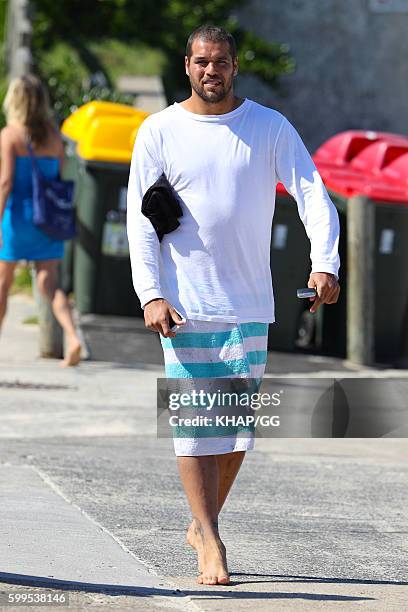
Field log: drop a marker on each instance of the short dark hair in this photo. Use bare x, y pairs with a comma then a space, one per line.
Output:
214, 34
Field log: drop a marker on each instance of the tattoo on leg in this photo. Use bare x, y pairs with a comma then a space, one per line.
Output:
198, 528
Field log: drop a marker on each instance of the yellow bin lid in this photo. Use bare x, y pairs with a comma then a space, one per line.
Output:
104, 131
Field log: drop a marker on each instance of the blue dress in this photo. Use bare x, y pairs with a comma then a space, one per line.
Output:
21, 238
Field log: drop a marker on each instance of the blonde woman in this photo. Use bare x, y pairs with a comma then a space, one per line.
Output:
27, 111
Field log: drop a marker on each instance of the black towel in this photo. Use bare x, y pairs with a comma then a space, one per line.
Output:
161, 206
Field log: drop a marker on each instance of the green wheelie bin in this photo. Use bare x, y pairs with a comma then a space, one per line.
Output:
104, 135
290, 267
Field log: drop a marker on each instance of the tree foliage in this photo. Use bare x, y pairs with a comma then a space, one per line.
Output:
163, 24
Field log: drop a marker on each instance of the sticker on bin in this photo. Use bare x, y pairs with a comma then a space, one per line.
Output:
279, 237
387, 241
114, 240
122, 198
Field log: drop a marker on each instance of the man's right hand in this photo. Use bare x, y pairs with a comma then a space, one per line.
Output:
157, 314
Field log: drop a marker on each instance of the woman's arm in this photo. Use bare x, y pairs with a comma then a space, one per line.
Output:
8, 158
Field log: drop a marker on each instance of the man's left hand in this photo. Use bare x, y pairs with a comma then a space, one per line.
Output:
327, 289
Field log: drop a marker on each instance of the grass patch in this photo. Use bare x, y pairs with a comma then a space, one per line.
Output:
120, 59
22, 280
31, 321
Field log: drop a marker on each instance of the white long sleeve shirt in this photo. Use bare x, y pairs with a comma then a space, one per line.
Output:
224, 168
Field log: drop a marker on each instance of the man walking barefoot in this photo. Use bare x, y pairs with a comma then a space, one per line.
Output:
223, 156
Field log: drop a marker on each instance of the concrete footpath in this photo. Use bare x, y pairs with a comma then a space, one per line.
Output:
92, 508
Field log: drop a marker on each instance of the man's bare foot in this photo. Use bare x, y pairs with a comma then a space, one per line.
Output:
73, 356
211, 553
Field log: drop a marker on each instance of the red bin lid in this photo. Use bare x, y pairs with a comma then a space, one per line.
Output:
378, 190
340, 149
397, 170
364, 162
374, 158
345, 183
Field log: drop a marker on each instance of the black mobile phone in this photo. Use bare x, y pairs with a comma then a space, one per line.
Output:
172, 322
307, 292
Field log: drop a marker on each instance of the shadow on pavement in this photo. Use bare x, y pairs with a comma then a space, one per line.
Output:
313, 579
217, 591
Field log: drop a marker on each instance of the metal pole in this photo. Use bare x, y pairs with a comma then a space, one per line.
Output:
360, 280
51, 336
18, 44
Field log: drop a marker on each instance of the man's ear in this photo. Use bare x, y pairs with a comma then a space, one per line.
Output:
186, 65
235, 71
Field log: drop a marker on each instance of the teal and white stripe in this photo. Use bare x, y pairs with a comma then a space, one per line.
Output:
205, 350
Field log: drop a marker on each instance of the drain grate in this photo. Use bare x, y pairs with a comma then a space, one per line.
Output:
18, 384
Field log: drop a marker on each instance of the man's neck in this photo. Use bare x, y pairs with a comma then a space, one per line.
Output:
198, 106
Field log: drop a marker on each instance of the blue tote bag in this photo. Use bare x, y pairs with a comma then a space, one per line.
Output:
53, 210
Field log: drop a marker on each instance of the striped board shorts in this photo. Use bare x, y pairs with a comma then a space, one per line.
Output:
206, 350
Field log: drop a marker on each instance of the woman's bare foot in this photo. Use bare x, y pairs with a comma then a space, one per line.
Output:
211, 553
73, 356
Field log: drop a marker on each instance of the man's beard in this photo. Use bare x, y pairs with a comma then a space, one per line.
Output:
214, 97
